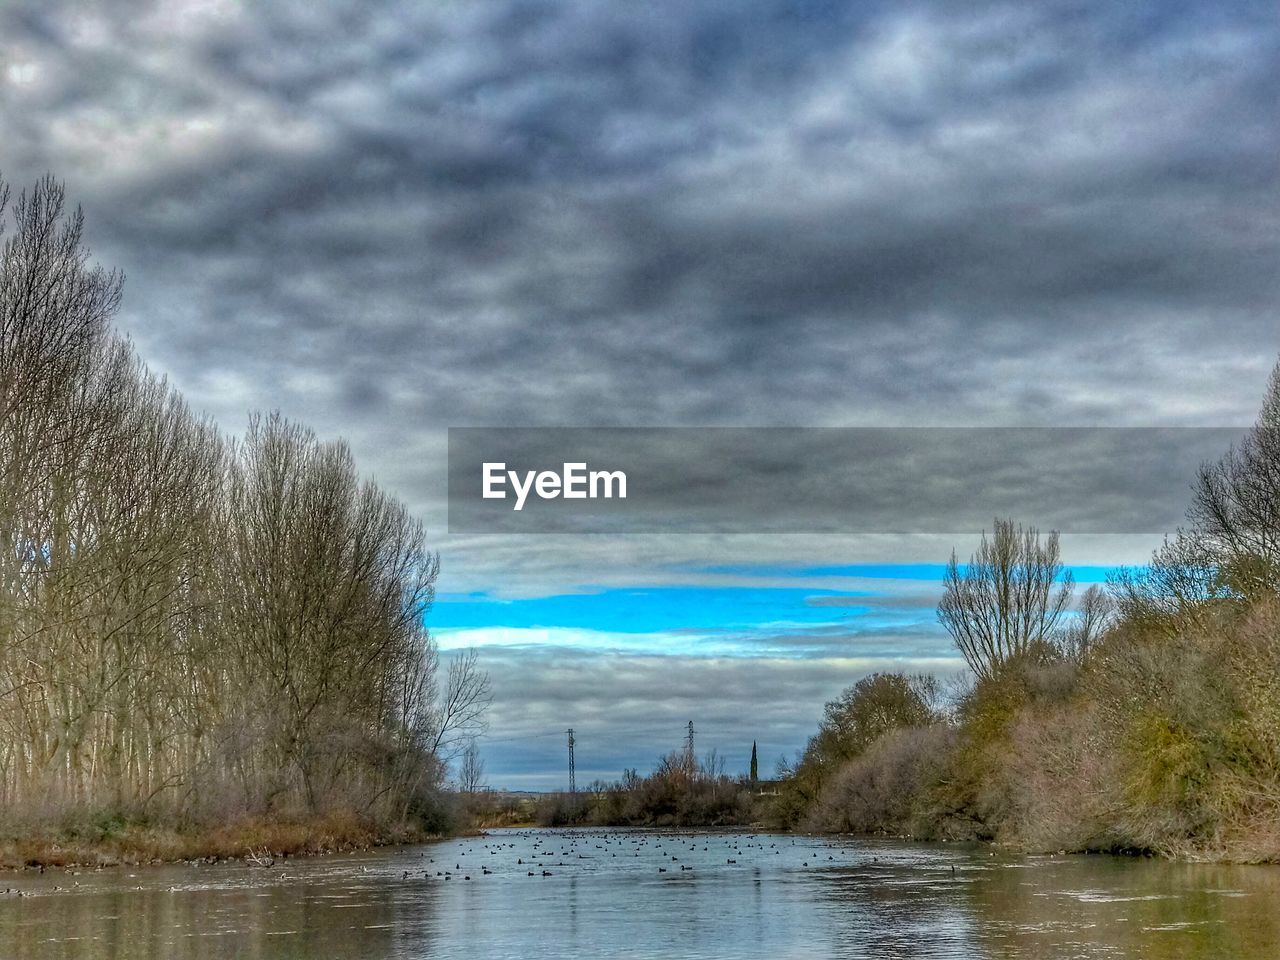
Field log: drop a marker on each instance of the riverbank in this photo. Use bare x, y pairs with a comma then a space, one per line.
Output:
107, 841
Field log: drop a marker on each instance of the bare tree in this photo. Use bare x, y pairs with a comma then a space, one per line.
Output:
1231, 547
712, 766
186, 621
471, 773
459, 717
1095, 614
1236, 509
1006, 601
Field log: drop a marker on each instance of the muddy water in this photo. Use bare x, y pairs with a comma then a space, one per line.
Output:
541, 894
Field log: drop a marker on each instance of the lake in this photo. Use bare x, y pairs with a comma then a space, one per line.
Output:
625, 893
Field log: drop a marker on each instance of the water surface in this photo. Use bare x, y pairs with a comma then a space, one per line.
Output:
543, 894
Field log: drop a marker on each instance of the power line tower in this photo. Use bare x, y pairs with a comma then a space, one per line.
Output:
573, 784
688, 750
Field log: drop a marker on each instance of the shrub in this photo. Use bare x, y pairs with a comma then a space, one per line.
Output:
887, 788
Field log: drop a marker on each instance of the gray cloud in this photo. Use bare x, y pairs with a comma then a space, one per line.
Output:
562, 212
626, 711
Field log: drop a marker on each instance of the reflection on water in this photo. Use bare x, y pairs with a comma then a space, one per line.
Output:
641, 894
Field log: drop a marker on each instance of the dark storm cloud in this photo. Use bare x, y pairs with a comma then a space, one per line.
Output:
672, 213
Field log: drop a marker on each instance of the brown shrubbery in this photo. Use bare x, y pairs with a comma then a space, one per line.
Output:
1147, 721
681, 792
886, 789
873, 707
106, 841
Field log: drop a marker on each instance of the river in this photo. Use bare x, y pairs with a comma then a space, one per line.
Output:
640, 894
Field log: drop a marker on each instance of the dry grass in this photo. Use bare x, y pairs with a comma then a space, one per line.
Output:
109, 842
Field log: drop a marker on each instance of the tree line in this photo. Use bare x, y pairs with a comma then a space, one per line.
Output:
193, 626
682, 791
1139, 715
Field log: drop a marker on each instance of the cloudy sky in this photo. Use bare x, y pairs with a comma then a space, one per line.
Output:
387, 219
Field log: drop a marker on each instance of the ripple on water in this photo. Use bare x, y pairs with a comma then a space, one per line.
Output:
739, 896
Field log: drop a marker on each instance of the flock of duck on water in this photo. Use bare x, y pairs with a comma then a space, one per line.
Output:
538, 851
544, 851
